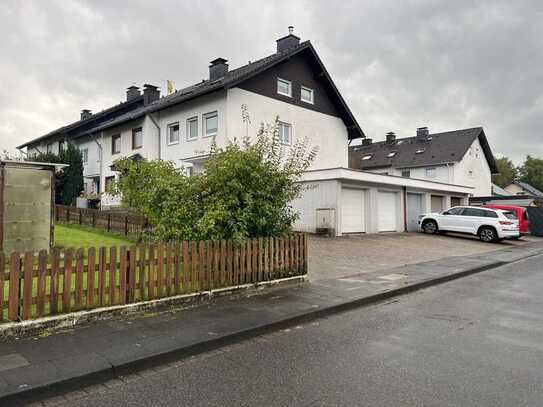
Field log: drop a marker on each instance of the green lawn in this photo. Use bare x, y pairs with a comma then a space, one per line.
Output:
75, 236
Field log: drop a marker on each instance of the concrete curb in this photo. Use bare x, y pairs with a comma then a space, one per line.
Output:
150, 361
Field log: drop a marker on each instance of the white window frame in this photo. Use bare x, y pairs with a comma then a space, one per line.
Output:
189, 121
49, 148
135, 130
85, 155
204, 124
281, 126
117, 137
170, 142
311, 92
289, 83
431, 172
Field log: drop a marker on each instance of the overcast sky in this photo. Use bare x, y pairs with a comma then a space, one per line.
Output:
399, 64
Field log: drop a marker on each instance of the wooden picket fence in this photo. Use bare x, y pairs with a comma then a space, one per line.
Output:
60, 281
111, 221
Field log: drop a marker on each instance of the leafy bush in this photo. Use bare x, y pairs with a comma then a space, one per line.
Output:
245, 190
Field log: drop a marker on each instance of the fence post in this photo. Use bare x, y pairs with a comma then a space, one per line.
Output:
93, 219
68, 215
80, 211
108, 222
126, 225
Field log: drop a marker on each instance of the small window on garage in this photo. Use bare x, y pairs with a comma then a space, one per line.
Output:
406, 174
430, 172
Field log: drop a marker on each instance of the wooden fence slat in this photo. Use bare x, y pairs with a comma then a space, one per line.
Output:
305, 253
186, 266
202, 260
260, 259
242, 263
91, 279
27, 284
102, 259
123, 277
141, 252
112, 274
177, 268
194, 275
55, 271
266, 267
223, 279
160, 271
2, 274
210, 248
79, 265
67, 279
151, 273
216, 270
14, 270
234, 249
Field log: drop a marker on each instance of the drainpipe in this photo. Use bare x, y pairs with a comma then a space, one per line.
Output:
158, 130
405, 208
101, 155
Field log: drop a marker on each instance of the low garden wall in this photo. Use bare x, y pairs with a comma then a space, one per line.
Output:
61, 281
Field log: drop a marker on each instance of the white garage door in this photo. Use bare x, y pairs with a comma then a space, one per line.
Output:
414, 209
352, 211
387, 211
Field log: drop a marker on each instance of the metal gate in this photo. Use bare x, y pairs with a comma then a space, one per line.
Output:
536, 220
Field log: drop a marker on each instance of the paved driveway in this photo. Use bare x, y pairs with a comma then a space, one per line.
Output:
344, 256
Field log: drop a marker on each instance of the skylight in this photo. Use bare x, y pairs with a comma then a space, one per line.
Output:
420, 151
392, 154
367, 157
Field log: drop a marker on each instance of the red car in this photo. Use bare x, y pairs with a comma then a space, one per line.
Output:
522, 216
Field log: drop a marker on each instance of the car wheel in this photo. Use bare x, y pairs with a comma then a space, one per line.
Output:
488, 235
430, 227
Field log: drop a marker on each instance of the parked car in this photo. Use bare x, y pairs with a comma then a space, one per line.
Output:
491, 225
520, 211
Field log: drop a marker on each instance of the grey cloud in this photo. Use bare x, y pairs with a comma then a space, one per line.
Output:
399, 65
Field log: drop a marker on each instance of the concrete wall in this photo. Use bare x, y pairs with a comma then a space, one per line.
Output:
325, 131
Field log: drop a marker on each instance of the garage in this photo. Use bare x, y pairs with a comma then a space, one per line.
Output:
456, 201
387, 213
414, 210
437, 203
352, 211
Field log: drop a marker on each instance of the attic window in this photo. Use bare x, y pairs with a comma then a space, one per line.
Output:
429, 138
392, 154
367, 157
399, 142
420, 151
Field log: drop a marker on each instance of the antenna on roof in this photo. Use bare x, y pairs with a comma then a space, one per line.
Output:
290, 29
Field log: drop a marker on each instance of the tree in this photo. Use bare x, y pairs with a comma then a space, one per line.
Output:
507, 172
245, 190
531, 172
69, 181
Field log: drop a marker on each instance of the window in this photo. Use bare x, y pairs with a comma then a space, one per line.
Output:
492, 214
85, 155
307, 95
192, 128
455, 211
49, 148
392, 154
367, 157
109, 181
285, 133
60, 146
173, 133
474, 212
430, 172
137, 138
406, 173
420, 151
116, 144
284, 87
508, 215
211, 124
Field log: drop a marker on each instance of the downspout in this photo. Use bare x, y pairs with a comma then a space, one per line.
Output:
405, 208
158, 130
101, 155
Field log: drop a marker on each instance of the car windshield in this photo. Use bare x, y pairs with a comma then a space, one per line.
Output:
510, 215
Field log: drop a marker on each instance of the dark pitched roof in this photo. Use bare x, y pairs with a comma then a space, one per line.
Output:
231, 79
81, 126
527, 187
438, 148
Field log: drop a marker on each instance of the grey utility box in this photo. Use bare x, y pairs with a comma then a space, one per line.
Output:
27, 194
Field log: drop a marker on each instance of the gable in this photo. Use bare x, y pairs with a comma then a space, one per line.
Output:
300, 72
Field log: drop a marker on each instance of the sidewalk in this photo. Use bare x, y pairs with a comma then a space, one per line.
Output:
44, 366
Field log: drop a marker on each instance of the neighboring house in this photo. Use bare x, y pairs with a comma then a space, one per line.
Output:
292, 84
461, 157
522, 188
498, 191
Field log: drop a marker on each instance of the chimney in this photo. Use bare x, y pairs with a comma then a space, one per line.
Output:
132, 92
391, 137
289, 41
150, 93
85, 114
218, 68
366, 141
422, 132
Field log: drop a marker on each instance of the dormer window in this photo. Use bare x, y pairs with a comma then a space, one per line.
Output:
392, 154
420, 151
367, 157
307, 95
284, 87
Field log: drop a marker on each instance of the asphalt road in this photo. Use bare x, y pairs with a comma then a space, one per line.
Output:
477, 341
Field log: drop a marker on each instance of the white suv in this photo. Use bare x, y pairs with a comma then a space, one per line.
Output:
491, 225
